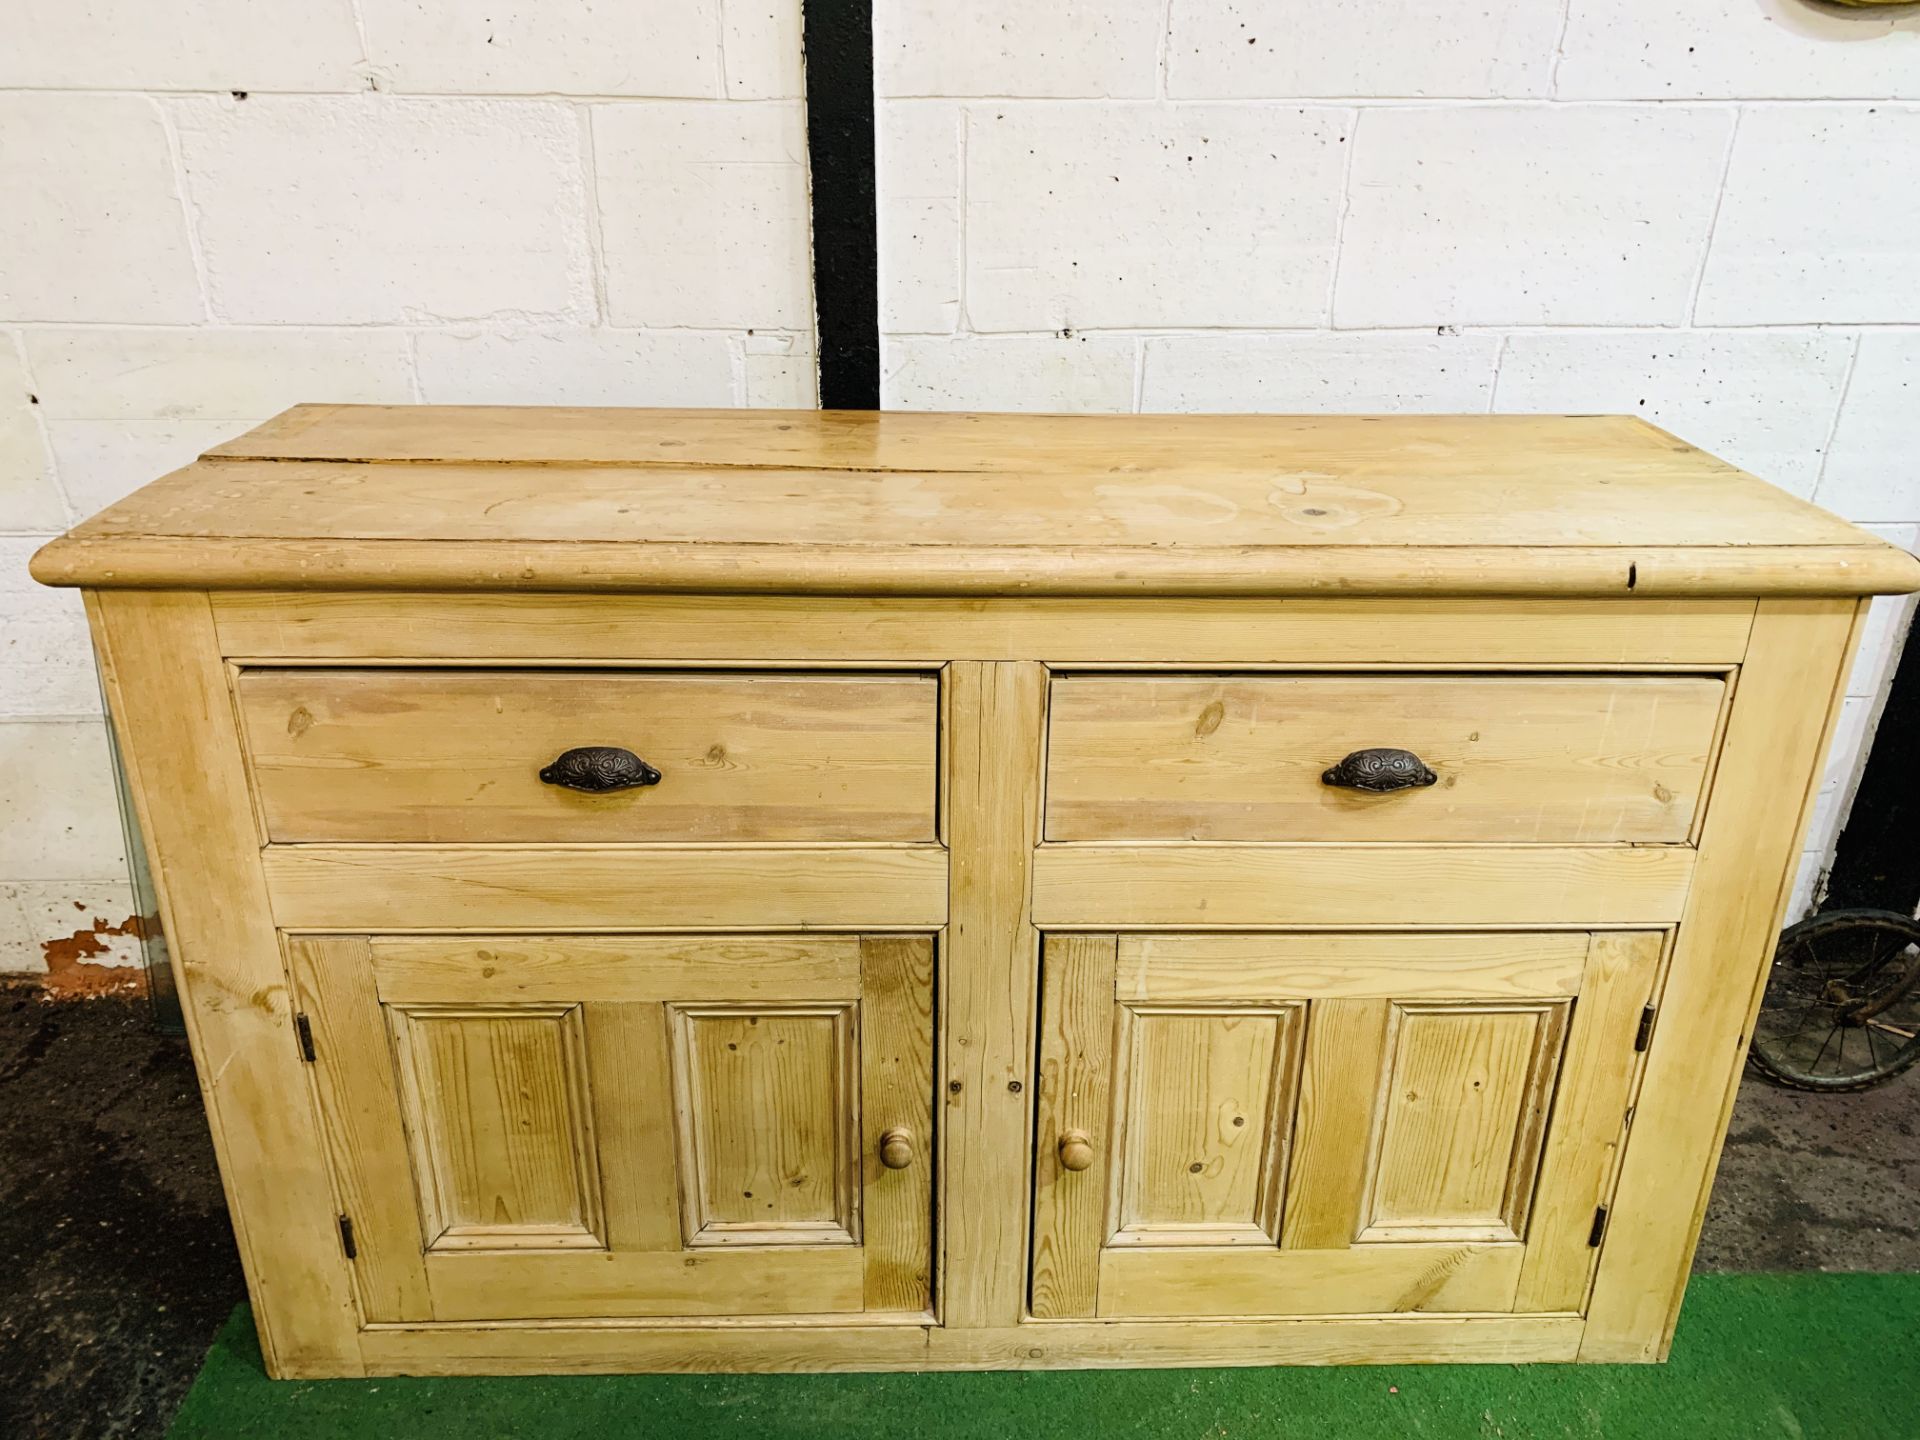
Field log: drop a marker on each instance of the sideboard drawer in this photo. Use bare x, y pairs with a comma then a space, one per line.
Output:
459, 755
1565, 759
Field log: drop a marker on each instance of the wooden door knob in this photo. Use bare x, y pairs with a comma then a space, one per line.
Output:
1076, 1150
896, 1148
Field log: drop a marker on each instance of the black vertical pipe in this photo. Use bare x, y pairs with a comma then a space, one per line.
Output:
846, 275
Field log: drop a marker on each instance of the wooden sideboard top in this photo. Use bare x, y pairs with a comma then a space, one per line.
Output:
855, 502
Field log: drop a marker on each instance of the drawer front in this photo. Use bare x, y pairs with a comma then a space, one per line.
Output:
456, 756
1513, 759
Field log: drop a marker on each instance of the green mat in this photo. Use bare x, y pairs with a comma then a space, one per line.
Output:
1815, 1357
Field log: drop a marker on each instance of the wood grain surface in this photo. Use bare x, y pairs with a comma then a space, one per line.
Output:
878, 503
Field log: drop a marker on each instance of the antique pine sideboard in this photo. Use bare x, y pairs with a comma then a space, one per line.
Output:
753, 890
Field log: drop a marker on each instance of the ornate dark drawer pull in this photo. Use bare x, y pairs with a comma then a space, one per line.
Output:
1380, 770
600, 768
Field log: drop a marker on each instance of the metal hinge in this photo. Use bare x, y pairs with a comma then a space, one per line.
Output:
1645, 1032
1599, 1230
346, 1237
303, 1032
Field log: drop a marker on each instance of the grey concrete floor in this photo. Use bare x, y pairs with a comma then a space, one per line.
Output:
117, 1264
1818, 1182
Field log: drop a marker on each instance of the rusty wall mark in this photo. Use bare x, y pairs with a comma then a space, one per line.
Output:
71, 973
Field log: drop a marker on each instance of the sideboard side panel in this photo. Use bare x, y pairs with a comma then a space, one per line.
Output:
167, 686
1785, 703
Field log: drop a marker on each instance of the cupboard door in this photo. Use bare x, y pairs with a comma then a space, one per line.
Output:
568, 1127
1310, 1124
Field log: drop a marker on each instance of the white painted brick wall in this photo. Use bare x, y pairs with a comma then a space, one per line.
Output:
370, 211
1018, 47
94, 227
46, 667
523, 47
1153, 215
199, 45
1736, 49
917, 169
59, 819
693, 198
29, 499
1014, 372
1706, 212
1257, 49
1764, 399
1873, 472
1818, 219
1380, 371
212, 210
578, 367
1527, 214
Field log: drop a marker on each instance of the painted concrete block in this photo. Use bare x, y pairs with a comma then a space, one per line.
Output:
102, 461
1399, 48
576, 367
379, 211
1733, 49
92, 226
1378, 373
1117, 216
764, 50
999, 372
59, 816
1528, 215
539, 47
918, 175
1764, 400
1018, 47
703, 214
46, 662
30, 502
103, 373
782, 371
47, 927
1874, 470
1820, 223
201, 45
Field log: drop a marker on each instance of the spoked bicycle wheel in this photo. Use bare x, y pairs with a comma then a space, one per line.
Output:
1842, 1008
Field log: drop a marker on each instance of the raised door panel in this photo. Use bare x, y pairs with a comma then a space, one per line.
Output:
662, 1128
495, 1103
1310, 1124
1463, 1107
1203, 1121
765, 1101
